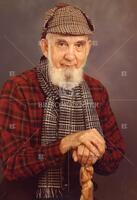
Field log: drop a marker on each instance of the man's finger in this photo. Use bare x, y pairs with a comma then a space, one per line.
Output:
97, 141
85, 155
92, 148
74, 156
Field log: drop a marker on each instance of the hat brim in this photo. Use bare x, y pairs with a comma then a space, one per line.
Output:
71, 29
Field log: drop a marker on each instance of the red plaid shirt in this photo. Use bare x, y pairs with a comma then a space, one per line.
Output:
21, 114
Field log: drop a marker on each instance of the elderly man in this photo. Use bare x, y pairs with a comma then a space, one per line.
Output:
55, 118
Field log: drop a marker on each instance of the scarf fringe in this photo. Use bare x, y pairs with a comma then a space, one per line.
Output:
48, 193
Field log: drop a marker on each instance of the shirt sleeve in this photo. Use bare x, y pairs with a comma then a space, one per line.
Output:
21, 159
115, 146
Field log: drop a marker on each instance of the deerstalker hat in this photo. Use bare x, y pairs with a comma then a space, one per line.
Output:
67, 20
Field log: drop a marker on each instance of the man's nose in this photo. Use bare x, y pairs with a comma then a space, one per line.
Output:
70, 54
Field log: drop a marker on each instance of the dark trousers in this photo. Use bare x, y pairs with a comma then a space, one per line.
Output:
25, 190
18, 190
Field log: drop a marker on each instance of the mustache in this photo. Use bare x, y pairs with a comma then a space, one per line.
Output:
65, 77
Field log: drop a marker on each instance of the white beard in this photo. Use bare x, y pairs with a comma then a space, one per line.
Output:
65, 77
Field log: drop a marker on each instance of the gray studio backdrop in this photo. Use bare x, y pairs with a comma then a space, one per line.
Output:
112, 60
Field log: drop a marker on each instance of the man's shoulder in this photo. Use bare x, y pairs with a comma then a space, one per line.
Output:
25, 81
93, 83
97, 89
28, 77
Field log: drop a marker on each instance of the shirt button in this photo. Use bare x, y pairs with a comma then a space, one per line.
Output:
40, 156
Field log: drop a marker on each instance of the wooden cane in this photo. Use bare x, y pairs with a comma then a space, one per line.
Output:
86, 174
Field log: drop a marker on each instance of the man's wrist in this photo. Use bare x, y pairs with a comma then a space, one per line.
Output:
69, 142
65, 144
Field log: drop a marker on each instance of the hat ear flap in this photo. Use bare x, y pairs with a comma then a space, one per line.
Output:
91, 26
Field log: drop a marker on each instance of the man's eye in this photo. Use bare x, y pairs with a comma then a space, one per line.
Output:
79, 46
61, 44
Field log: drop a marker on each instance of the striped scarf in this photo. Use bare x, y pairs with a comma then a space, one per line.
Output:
65, 112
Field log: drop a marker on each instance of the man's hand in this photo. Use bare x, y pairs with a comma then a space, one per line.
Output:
84, 156
91, 139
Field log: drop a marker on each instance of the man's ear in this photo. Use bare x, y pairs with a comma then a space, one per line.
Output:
43, 43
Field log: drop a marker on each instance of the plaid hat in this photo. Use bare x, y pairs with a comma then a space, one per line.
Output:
67, 20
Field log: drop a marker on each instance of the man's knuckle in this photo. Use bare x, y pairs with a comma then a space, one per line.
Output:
80, 154
102, 150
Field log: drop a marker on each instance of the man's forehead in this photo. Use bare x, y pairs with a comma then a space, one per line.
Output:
68, 38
